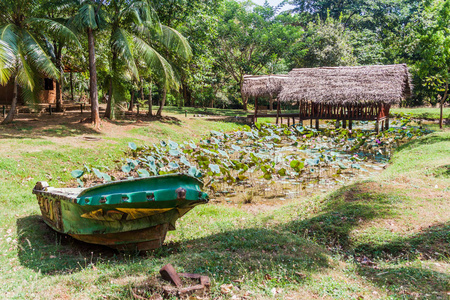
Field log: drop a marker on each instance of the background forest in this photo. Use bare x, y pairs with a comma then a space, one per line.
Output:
196, 52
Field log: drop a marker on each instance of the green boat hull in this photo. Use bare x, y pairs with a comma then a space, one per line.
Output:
129, 214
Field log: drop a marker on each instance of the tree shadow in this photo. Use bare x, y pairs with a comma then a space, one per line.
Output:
431, 243
266, 256
57, 125
230, 254
355, 205
44, 250
347, 208
409, 281
144, 119
424, 140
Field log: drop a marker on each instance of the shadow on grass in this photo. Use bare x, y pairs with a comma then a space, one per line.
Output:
424, 140
258, 256
348, 208
58, 125
230, 254
353, 206
409, 282
431, 243
44, 250
145, 120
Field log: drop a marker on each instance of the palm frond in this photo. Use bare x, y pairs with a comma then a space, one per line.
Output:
121, 42
156, 62
25, 76
37, 56
85, 18
175, 42
9, 34
7, 62
56, 29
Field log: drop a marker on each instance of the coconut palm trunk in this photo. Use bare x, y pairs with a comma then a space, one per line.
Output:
163, 101
9, 118
93, 79
150, 113
59, 82
109, 108
442, 105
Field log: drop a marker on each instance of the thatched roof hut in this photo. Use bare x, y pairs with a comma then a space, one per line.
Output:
263, 85
348, 85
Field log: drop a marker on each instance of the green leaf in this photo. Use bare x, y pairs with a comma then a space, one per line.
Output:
126, 168
184, 161
194, 172
267, 176
282, 172
174, 152
294, 164
143, 173
77, 173
80, 182
106, 177
214, 168
98, 173
132, 146
173, 165
173, 145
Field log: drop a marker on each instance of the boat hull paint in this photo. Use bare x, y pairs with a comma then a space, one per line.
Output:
128, 225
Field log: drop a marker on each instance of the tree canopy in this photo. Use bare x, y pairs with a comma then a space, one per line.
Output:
196, 53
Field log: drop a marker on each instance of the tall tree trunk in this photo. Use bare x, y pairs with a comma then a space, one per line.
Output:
9, 118
163, 101
142, 89
109, 113
71, 86
150, 113
271, 104
130, 108
442, 105
59, 81
93, 92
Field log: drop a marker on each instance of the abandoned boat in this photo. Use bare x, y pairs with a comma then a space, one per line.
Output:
130, 214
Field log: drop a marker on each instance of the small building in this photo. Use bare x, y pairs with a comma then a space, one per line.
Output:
264, 86
47, 94
344, 93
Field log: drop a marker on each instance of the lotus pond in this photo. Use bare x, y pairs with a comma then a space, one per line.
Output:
264, 161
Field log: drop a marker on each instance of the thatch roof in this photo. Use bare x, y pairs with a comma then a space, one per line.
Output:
263, 85
345, 85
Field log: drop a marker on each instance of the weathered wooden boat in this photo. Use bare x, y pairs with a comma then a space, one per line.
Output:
130, 214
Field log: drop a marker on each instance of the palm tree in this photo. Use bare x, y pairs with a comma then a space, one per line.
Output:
57, 44
135, 35
89, 19
23, 58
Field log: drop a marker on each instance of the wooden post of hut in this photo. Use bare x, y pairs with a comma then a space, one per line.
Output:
387, 106
256, 111
278, 110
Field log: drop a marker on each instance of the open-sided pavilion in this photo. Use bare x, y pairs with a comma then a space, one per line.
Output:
363, 93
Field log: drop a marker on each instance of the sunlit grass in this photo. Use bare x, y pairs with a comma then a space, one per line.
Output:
308, 247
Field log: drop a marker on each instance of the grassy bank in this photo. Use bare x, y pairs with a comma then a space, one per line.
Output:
423, 112
383, 238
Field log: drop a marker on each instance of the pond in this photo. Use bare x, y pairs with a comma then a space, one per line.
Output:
267, 161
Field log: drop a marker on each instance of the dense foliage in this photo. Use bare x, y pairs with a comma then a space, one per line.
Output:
195, 53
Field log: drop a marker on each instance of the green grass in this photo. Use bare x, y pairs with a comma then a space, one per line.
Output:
384, 238
423, 112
